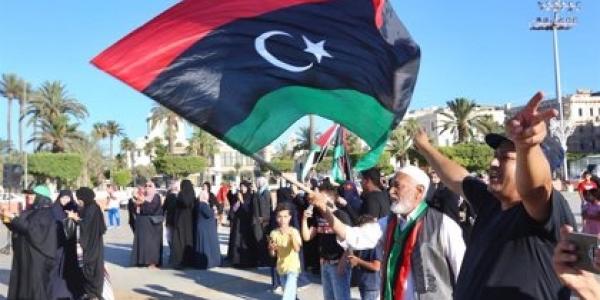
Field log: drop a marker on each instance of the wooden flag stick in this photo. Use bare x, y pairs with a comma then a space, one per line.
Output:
261, 161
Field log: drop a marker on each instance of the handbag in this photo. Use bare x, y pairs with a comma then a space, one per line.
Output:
156, 220
69, 228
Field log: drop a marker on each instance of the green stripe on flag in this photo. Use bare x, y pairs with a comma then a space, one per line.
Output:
276, 111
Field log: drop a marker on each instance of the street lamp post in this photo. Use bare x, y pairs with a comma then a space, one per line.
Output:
555, 24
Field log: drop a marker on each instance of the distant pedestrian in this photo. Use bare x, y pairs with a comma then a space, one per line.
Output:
113, 208
591, 212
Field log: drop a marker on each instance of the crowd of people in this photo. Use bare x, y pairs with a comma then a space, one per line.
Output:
444, 234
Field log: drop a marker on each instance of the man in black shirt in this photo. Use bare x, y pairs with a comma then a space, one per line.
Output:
518, 213
375, 200
335, 269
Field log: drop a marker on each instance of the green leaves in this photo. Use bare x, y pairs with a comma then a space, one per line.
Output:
179, 166
122, 177
475, 157
65, 167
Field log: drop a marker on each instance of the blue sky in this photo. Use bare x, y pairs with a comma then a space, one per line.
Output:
477, 49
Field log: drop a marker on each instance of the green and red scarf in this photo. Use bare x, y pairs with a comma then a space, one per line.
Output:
399, 246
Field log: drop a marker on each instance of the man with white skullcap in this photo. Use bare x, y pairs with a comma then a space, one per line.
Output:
423, 248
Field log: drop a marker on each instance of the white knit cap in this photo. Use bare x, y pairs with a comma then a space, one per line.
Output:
417, 174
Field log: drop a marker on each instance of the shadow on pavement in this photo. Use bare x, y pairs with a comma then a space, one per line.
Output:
237, 286
155, 291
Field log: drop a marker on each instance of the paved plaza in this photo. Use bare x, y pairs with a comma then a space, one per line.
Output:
166, 283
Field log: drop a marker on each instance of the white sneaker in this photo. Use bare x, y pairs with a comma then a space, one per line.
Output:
278, 291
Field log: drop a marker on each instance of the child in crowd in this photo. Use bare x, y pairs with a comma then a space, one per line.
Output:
285, 243
367, 266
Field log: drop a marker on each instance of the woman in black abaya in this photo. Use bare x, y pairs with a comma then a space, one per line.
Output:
34, 246
148, 235
92, 228
242, 249
66, 275
183, 227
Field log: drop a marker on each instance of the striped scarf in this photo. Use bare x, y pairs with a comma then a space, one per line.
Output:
399, 246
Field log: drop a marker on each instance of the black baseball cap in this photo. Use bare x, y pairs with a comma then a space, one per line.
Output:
550, 146
494, 140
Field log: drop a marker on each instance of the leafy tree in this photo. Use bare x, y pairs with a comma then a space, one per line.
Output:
325, 165
384, 163
9, 89
283, 164
144, 173
121, 160
62, 167
461, 119
56, 135
171, 120
178, 166
353, 143
282, 150
474, 157
92, 158
128, 147
122, 177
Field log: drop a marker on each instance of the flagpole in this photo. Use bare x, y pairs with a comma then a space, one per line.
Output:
261, 161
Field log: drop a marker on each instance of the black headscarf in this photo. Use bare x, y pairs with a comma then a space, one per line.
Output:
41, 202
187, 190
71, 205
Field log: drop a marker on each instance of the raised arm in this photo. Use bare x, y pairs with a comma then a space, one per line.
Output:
527, 129
451, 173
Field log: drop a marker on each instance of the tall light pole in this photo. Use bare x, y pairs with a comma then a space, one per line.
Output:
556, 23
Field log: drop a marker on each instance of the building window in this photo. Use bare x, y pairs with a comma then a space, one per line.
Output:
581, 146
591, 111
580, 112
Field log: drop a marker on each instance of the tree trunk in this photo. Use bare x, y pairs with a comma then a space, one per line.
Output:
110, 139
21, 116
170, 139
8, 116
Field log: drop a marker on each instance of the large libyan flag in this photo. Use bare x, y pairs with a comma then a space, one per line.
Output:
246, 70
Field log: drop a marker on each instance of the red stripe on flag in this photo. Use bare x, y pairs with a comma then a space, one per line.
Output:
379, 5
325, 138
138, 58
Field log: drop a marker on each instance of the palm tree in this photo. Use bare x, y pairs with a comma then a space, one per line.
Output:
202, 144
127, 146
99, 131
52, 102
461, 120
23, 95
94, 163
171, 119
411, 126
304, 139
3, 146
399, 144
487, 124
113, 129
57, 135
9, 89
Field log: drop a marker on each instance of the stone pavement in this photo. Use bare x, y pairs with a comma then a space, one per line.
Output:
165, 283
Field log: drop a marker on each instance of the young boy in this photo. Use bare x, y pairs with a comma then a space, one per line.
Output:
285, 243
367, 264
335, 269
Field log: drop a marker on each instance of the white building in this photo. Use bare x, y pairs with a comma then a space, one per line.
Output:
582, 113
159, 131
432, 121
